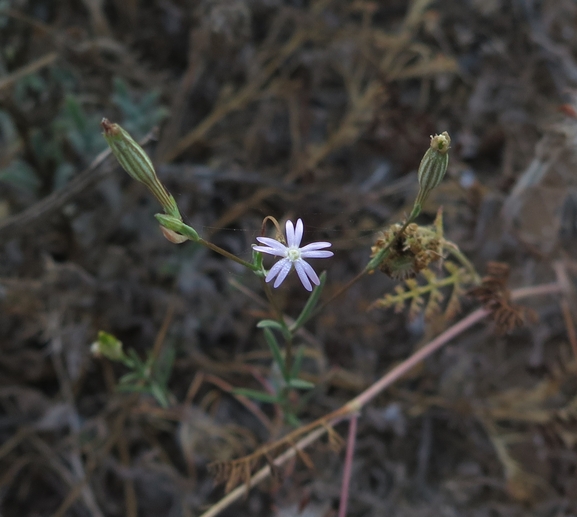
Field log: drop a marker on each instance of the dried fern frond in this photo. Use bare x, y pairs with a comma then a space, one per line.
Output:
429, 297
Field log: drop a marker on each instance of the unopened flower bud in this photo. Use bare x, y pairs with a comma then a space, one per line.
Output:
108, 346
136, 162
433, 167
176, 226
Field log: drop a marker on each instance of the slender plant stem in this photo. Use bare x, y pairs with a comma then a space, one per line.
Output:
343, 289
287, 334
536, 290
563, 279
225, 253
348, 466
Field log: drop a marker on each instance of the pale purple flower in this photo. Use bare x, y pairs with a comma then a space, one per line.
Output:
293, 255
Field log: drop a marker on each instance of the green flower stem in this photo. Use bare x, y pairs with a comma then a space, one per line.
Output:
286, 331
176, 225
227, 254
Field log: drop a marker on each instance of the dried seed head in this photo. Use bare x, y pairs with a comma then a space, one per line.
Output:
137, 163
433, 166
414, 251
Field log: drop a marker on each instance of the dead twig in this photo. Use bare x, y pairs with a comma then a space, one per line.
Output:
237, 101
348, 467
566, 302
96, 172
28, 69
245, 401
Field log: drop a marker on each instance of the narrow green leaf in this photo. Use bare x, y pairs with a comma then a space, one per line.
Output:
159, 394
269, 324
163, 367
296, 368
134, 356
275, 350
276, 325
130, 377
256, 395
309, 307
301, 384
257, 259
292, 420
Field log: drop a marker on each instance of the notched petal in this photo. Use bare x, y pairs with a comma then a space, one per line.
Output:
270, 251
298, 233
284, 271
303, 275
316, 254
290, 233
275, 270
271, 242
310, 272
316, 246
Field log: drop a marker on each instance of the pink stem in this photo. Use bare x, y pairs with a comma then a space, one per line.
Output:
407, 365
348, 467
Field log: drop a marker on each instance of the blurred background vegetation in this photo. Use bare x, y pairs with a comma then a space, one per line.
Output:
316, 109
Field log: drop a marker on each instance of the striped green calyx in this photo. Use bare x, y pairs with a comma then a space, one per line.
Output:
136, 162
432, 168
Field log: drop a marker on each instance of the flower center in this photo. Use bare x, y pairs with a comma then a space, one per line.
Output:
293, 253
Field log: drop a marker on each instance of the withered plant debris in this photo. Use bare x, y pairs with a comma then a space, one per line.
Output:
495, 296
239, 471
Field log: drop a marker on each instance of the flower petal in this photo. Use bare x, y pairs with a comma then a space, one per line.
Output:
316, 254
271, 242
302, 275
283, 272
316, 246
271, 251
275, 269
290, 233
298, 233
309, 271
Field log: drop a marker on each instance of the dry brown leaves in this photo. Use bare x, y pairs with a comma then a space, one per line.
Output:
494, 294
